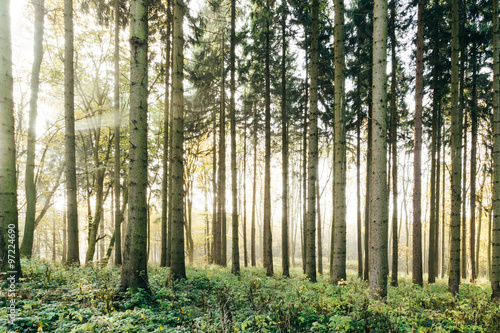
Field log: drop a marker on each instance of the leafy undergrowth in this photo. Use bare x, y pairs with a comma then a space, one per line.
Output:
55, 298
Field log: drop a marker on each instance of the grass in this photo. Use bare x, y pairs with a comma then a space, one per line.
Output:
55, 298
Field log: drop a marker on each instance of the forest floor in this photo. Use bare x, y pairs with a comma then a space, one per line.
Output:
55, 298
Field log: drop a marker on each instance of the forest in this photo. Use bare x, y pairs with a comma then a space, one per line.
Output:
250, 166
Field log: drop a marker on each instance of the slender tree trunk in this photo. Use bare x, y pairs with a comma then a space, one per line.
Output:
117, 121
438, 191
69, 106
245, 248
394, 146
254, 188
165, 159
215, 226
443, 220
339, 240
495, 232
29, 226
96, 221
285, 174
65, 240
235, 268
417, 173
456, 158
463, 117
221, 252
304, 183
134, 269
473, 169
358, 179
378, 203
319, 229
178, 265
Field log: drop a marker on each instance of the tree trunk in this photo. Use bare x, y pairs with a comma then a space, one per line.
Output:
417, 173
29, 226
254, 188
358, 178
313, 148
166, 117
456, 158
304, 181
117, 120
378, 202
319, 229
235, 267
473, 169
394, 146
339, 241
495, 243
284, 129
178, 265
221, 251
134, 269
268, 241
215, 235
69, 107
245, 248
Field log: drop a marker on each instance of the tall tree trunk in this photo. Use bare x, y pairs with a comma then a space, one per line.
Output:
284, 129
394, 146
473, 168
417, 173
215, 236
134, 269
463, 116
495, 243
268, 240
438, 190
358, 177
165, 164
304, 180
9, 236
456, 158
254, 188
245, 248
319, 229
178, 265
378, 202
117, 120
70, 160
29, 226
313, 148
339, 188
235, 268
221, 251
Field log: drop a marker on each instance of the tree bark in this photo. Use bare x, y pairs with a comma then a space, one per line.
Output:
456, 158
69, 107
394, 146
30, 186
495, 232
268, 241
339, 241
313, 148
178, 265
378, 203
235, 267
254, 188
473, 168
165, 164
134, 269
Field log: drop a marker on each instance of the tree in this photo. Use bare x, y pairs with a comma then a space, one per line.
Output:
286, 158
313, 148
495, 244
178, 265
417, 152
378, 209
70, 159
9, 239
456, 157
29, 226
339, 254
134, 270
268, 240
166, 115
235, 269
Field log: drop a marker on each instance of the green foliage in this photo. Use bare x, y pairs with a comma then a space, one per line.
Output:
55, 298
